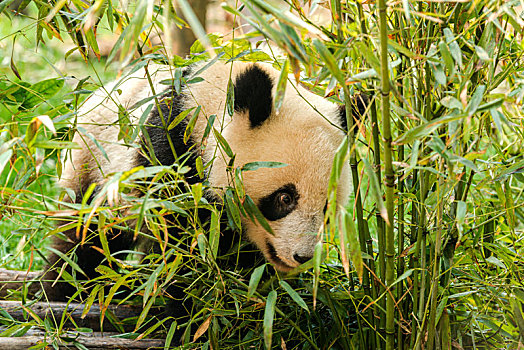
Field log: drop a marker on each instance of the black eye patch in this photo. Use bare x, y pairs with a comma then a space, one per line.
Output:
279, 203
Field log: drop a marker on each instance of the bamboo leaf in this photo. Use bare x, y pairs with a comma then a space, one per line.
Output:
294, 295
454, 48
329, 61
214, 233
68, 260
446, 55
495, 261
181, 116
170, 334
232, 208
4, 158
42, 91
461, 214
475, 100
269, 315
191, 124
281, 87
349, 239
257, 165
223, 143
256, 275
517, 312
425, 129
376, 190
317, 260
4, 4
483, 55
251, 208
202, 328
230, 98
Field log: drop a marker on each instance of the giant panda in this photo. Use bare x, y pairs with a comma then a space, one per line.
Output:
304, 134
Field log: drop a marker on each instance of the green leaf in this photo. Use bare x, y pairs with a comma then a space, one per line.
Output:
254, 280
483, 55
451, 103
4, 158
446, 55
425, 129
209, 125
42, 91
91, 40
368, 54
330, 61
170, 334
232, 208
440, 75
67, 259
317, 260
257, 165
516, 307
461, 215
4, 4
376, 190
294, 295
230, 98
402, 277
349, 244
475, 100
191, 124
214, 233
269, 315
251, 208
181, 116
223, 143
495, 261
281, 87
454, 48
49, 144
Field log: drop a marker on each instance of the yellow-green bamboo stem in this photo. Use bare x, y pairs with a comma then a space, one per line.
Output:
389, 180
380, 222
436, 264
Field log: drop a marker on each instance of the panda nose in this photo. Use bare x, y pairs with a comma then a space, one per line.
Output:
301, 259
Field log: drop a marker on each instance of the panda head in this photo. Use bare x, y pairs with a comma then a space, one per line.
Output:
304, 134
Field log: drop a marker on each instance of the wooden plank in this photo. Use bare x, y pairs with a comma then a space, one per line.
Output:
10, 279
93, 342
55, 310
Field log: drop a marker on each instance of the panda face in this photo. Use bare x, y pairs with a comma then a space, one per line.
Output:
292, 198
304, 135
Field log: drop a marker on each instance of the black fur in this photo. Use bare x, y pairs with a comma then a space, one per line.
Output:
155, 142
253, 94
273, 209
359, 104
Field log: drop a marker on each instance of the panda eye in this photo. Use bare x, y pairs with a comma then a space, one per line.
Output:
280, 203
285, 199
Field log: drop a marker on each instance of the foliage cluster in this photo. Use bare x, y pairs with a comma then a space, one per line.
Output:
427, 254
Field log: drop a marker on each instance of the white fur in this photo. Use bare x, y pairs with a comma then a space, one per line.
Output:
298, 136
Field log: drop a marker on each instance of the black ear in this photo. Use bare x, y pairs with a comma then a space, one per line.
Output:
253, 94
359, 104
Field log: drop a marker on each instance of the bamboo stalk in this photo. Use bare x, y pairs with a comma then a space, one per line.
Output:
389, 180
401, 211
436, 264
376, 340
